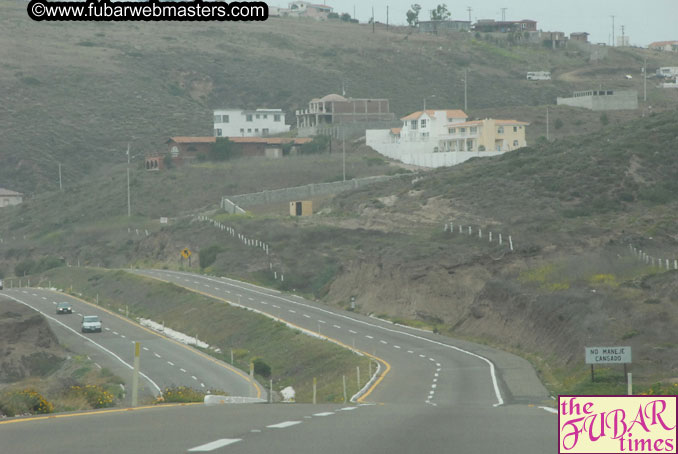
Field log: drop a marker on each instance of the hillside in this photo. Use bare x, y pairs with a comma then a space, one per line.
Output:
78, 93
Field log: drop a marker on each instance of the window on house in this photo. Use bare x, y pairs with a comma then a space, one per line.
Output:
217, 118
225, 119
424, 135
474, 129
462, 130
256, 130
264, 131
249, 117
452, 130
265, 117
423, 123
217, 132
249, 129
257, 116
500, 130
276, 117
515, 129
481, 148
413, 124
242, 130
515, 143
469, 145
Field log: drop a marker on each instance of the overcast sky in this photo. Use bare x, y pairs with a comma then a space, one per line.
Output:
644, 21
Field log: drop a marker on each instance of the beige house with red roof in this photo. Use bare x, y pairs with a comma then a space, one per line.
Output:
666, 46
437, 138
10, 198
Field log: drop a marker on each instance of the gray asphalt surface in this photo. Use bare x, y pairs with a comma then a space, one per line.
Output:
162, 361
440, 395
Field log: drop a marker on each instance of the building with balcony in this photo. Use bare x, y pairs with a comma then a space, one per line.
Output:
437, 138
325, 114
249, 123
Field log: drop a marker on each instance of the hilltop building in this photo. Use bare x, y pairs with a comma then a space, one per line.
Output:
443, 26
437, 138
249, 123
301, 8
602, 99
666, 46
10, 198
582, 37
325, 115
492, 26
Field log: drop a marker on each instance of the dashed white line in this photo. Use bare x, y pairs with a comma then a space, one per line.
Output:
44, 297
170, 363
145, 348
347, 408
396, 346
410, 351
107, 329
264, 303
182, 369
115, 332
369, 337
79, 314
123, 336
326, 413
194, 377
307, 316
422, 356
383, 342
54, 302
292, 312
337, 326
352, 332
157, 356
283, 425
250, 298
215, 445
322, 321
277, 307
202, 384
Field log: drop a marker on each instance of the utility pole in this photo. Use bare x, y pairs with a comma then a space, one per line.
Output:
612, 30
547, 123
503, 14
343, 146
386, 17
465, 91
469, 9
129, 206
373, 21
622, 41
60, 187
645, 80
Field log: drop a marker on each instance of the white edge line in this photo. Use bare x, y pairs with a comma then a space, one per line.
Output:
215, 445
495, 383
89, 340
549, 409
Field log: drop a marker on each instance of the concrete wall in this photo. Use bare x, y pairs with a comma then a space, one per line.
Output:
619, 100
353, 130
421, 154
300, 192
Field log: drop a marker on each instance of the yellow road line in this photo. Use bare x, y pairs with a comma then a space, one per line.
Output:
96, 412
192, 350
387, 366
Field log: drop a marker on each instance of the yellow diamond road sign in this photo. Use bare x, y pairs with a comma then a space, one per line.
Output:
186, 253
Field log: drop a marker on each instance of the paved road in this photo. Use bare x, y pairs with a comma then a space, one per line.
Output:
164, 362
435, 395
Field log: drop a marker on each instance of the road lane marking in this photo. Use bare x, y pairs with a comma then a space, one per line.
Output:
123, 336
347, 408
170, 363
326, 413
157, 356
115, 332
54, 302
322, 321
107, 329
352, 332
369, 337
277, 307
549, 409
337, 326
43, 297
264, 303
215, 445
145, 348
202, 384
383, 342
79, 314
396, 346
250, 298
410, 351
283, 425
422, 356
194, 377
307, 316
291, 311
182, 369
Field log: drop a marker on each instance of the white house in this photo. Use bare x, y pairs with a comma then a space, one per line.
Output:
9, 198
438, 138
249, 123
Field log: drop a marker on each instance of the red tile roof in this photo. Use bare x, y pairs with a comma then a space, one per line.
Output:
451, 113
193, 139
662, 43
497, 122
266, 140
396, 131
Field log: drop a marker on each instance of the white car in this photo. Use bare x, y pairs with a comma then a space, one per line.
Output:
91, 324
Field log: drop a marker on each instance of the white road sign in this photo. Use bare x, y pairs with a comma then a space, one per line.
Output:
608, 355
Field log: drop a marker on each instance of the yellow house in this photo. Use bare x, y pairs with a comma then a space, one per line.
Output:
484, 135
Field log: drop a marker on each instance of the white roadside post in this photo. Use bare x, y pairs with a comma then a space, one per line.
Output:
315, 388
135, 375
344, 381
629, 381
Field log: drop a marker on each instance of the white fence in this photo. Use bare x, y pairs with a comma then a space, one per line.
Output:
492, 237
654, 261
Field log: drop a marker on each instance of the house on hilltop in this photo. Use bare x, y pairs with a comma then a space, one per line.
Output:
10, 198
300, 8
438, 138
325, 114
249, 123
443, 26
492, 26
666, 46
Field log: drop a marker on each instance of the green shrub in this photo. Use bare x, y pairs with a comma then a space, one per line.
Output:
96, 396
27, 401
181, 394
209, 255
261, 368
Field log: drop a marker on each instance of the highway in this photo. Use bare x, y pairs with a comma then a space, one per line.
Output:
164, 362
434, 394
